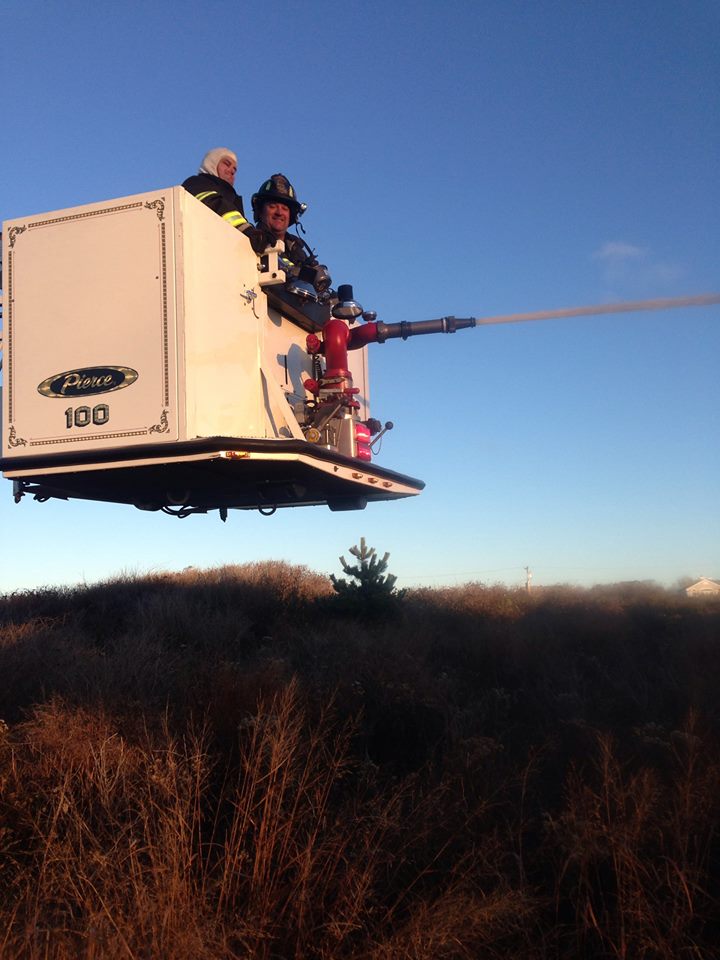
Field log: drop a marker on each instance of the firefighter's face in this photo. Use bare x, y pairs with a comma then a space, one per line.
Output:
276, 217
226, 170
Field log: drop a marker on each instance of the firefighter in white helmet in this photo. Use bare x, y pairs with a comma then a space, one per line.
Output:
213, 185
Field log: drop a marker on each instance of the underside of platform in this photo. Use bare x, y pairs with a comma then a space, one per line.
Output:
209, 474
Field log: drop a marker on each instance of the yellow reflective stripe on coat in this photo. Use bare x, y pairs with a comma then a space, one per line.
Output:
235, 219
206, 194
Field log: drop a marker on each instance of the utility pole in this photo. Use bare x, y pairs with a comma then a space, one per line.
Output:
528, 578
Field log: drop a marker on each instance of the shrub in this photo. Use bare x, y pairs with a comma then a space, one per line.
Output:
371, 591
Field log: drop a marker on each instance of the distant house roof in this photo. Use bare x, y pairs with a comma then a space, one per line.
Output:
703, 586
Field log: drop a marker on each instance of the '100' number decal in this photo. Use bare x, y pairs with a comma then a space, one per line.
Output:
84, 416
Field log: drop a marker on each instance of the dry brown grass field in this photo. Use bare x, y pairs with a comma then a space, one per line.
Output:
234, 763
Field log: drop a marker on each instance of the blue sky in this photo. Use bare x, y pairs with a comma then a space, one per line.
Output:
460, 158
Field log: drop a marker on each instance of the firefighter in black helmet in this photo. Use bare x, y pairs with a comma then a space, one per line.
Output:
275, 208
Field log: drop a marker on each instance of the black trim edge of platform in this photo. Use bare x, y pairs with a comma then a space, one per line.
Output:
169, 450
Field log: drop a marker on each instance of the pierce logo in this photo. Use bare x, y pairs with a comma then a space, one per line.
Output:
87, 381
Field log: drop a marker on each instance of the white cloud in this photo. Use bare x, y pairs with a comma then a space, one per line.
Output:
630, 269
619, 250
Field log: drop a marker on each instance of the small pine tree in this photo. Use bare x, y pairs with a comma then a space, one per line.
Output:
372, 587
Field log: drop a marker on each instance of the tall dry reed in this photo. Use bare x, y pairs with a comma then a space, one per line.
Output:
225, 764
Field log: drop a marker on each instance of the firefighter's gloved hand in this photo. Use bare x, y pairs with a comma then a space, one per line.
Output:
322, 279
316, 274
260, 239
